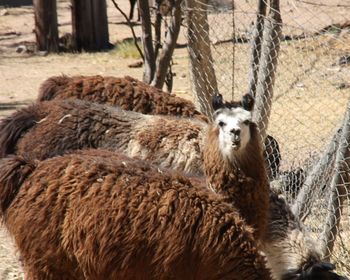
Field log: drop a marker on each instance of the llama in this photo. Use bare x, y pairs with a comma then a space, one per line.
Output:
170, 142
134, 95
51, 128
97, 215
234, 163
291, 253
128, 93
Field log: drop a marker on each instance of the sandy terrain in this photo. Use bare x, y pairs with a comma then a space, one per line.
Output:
311, 89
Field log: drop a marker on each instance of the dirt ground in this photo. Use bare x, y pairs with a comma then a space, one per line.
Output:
310, 93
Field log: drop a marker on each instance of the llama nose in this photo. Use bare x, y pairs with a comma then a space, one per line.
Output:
235, 132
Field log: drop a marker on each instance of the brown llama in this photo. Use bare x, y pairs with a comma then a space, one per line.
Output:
134, 95
97, 215
128, 93
170, 142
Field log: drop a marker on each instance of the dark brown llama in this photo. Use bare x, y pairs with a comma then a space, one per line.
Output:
97, 215
52, 128
128, 93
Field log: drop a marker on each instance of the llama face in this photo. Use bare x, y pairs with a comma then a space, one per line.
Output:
234, 130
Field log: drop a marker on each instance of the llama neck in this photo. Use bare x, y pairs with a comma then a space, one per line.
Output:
241, 180
222, 172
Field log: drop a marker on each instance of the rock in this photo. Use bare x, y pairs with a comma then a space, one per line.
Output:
137, 64
4, 12
343, 85
344, 60
21, 49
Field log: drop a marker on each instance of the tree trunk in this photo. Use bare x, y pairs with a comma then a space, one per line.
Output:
46, 30
316, 178
90, 25
339, 192
267, 68
201, 61
256, 47
148, 50
157, 29
166, 54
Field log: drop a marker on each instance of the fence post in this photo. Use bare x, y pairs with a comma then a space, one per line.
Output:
256, 47
340, 182
315, 178
267, 68
204, 83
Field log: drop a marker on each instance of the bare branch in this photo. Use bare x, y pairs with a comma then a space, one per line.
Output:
150, 60
131, 27
157, 29
168, 46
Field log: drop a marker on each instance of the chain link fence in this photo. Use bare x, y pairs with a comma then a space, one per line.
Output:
304, 87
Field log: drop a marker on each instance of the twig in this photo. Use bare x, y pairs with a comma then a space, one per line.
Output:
324, 5
132, 29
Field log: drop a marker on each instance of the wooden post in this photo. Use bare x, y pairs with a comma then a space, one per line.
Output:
267, 68
256, 47
201, 61
46, 30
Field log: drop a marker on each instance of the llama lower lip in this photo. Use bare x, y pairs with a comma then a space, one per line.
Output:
236, 146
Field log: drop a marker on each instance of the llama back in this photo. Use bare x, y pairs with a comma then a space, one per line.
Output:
12, 128
14, 170
66, 125
170, 143
128, 93
49, 89
114, 217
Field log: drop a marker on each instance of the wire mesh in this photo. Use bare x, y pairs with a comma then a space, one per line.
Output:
310, 94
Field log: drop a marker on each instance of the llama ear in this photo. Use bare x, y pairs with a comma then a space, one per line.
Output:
248, 102
217, 101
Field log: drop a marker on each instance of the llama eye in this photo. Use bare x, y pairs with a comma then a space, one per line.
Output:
246, 122
221, 123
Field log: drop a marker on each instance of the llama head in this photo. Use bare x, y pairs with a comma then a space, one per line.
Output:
233, 122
